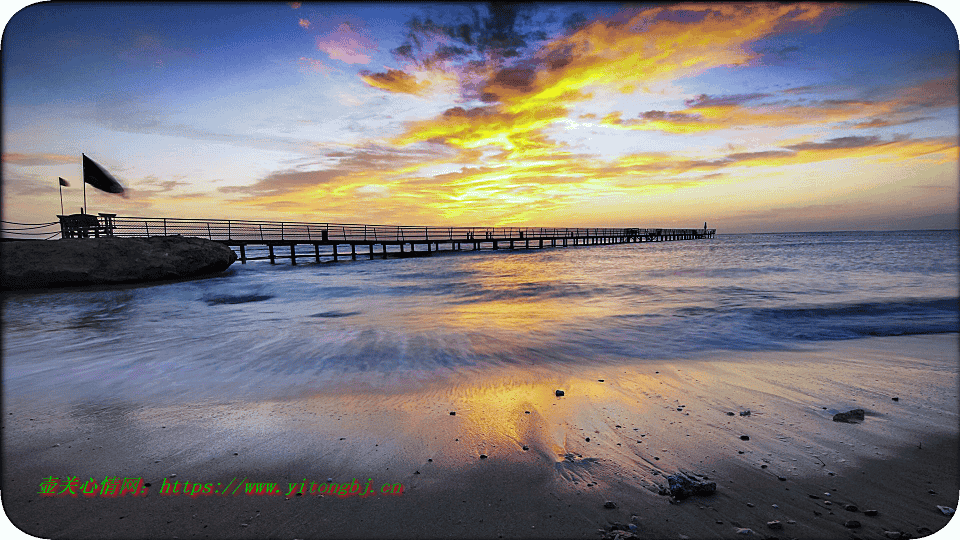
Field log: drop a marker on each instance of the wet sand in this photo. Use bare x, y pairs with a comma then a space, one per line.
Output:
612, 440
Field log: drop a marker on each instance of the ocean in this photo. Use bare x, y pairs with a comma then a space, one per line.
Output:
262, 331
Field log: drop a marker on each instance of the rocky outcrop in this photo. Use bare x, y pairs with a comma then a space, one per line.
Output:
38, 264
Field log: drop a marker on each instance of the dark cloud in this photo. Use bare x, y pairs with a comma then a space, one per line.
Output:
280, 183
887, 122
840, 142
671, 116
703, 100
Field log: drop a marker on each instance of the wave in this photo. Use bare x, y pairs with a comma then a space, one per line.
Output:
848, 321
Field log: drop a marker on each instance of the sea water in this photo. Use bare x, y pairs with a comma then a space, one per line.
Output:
262, 331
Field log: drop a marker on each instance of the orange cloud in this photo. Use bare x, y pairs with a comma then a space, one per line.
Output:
16, 158
658, 44
304, 23
394, 80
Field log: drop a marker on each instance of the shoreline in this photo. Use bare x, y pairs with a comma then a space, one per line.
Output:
645, 421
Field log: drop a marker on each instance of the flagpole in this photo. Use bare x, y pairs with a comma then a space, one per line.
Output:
83, 180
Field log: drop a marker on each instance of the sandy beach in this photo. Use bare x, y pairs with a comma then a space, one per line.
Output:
518, 461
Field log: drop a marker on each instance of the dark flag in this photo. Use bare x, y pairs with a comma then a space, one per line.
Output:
64, 183
98, 177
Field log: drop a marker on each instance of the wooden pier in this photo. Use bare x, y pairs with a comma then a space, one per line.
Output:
340, 240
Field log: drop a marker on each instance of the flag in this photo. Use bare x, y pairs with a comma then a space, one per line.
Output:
98, 177
64, 183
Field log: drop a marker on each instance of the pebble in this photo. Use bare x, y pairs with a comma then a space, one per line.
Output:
745, 413
947, 511
750, 505
588, 439
483, 456
850, 508
893, 535
525, 447
609, 504
744, 437
870, 513
895, 398
741, 530
782, 479
559, 392
852, 524
730, 414
453, 413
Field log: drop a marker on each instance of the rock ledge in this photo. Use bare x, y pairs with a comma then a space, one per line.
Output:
39, 264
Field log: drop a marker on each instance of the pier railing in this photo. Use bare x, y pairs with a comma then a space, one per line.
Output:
245, 230
273, 231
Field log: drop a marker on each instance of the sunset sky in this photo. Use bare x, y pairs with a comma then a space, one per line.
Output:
754, 118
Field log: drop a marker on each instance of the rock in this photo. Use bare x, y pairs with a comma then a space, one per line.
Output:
682, 486
870, 513
40, 264
851, 524
525, 447
924, 531
609, 504
849, 417
893, 535
895, 398
619, 535
850, 508
744, 437
730, 414
743, 530
782, 479
559, 393
453, 413
483, 456
946, 510
775, 525
745, 413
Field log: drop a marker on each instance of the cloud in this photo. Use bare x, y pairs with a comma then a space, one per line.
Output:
304, 23
347, 45
281, 183
15, 158
710, 113
396, 81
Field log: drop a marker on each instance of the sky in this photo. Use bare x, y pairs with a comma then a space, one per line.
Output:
753, 118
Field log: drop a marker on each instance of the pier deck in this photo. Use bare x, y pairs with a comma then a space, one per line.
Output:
334, 241
341, 240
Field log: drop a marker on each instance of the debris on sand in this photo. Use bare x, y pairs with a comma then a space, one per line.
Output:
849, 417
683, 486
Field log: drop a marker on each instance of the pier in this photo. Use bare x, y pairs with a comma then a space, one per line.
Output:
335, 241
